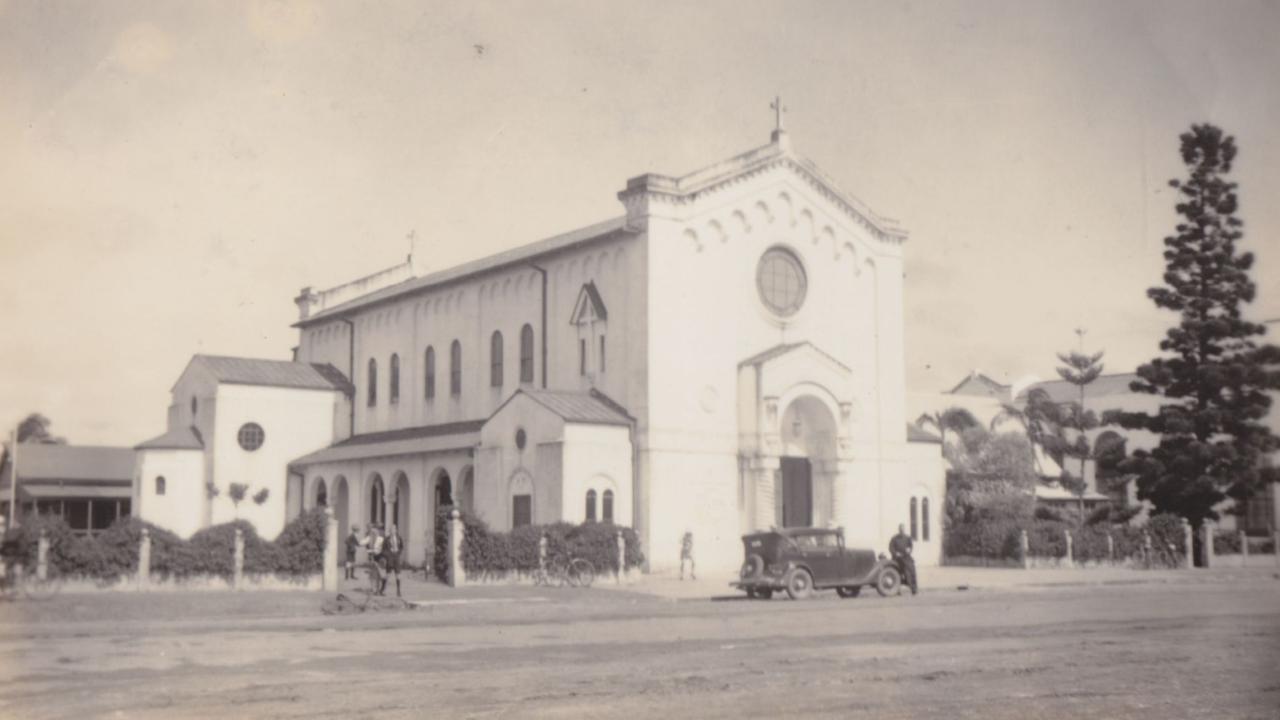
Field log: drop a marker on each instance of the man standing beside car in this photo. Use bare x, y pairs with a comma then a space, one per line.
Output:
900, 550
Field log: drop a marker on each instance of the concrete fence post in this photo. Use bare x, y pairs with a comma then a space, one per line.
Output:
1206, 543
237, 577
144, 559
1111, 549
1244, 546
1146, 549
542, 553
1071, 556
1275, 545
42, 555
329, 571
455, 574
1188, 543
1024, 547
622, 555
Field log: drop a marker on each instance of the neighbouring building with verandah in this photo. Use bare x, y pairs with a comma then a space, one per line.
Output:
726, 355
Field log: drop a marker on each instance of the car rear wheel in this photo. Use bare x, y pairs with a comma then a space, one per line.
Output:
799, 584
752, 567
889, 582
849, 591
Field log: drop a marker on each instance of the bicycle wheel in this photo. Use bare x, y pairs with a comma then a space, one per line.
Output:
581, 574
557, 570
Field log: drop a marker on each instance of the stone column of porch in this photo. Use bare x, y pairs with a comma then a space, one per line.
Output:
763, 470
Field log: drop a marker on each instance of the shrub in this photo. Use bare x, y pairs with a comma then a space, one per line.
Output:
1226, 542
996, 539
1166, 529
485, 552
1045, 538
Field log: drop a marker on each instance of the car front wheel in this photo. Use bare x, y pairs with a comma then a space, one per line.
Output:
799, 584
889, 582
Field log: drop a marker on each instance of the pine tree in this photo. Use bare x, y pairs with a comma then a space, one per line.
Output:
1079, 370
1212, 375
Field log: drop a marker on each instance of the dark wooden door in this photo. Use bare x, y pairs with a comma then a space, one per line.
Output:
797, 492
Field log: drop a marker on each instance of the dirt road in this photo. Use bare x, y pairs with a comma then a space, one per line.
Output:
1143, 651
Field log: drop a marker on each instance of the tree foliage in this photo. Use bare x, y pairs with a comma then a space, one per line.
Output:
1079, 370
1212, 374
954, 419
34, 428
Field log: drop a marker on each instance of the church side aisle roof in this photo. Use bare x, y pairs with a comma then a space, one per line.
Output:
403, 441
183, 438
274, 373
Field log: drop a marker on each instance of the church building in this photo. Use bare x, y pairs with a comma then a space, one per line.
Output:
724, 356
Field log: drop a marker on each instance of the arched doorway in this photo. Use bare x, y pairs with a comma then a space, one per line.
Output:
377, 501
808, 432
444, 489
322, 494
400, 505
340, 500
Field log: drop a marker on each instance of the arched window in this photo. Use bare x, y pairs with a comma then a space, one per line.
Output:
430, 380
395, 378
591, 506
455, 368
159, 484
377, 506
526, 354
372, 379
924, 518
914, 520
606, 506
322, 493
495, 359
195, 405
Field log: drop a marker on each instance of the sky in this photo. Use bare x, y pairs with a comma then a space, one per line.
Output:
172, 174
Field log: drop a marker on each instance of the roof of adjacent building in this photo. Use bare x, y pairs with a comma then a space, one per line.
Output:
274, 373
180, 438
993, 387
522, 254
1055, 492
920, 435
75, 463
589, 408
1062, 391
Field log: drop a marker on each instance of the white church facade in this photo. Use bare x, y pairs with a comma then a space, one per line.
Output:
725, 356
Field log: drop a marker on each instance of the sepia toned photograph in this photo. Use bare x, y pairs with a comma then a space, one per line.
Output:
703, 359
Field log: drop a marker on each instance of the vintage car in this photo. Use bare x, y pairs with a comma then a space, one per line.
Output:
801, 560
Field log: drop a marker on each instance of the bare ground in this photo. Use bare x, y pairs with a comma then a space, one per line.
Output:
1140, 651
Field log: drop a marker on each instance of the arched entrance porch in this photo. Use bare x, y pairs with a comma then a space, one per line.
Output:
808, 432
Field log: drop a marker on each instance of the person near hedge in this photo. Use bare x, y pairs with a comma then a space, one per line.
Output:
900, 548
373, 548
392, 548
353, 544
686, 555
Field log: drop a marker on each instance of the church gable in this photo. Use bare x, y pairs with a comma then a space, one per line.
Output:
589, 306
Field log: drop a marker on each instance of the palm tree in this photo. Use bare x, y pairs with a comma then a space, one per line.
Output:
1041, 419
956, 419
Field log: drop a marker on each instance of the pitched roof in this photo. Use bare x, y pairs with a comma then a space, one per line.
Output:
592, 296
780, 350
589, 408
982, 379
522, 254
1063, 391
405, 441
72, 462
274, 373
181, 438
920, 435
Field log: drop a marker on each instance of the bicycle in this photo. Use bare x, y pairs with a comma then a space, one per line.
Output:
15, 583
566, 570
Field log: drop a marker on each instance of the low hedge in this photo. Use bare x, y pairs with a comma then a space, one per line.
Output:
113, 553
486, 552
1226, 542
1000, 540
